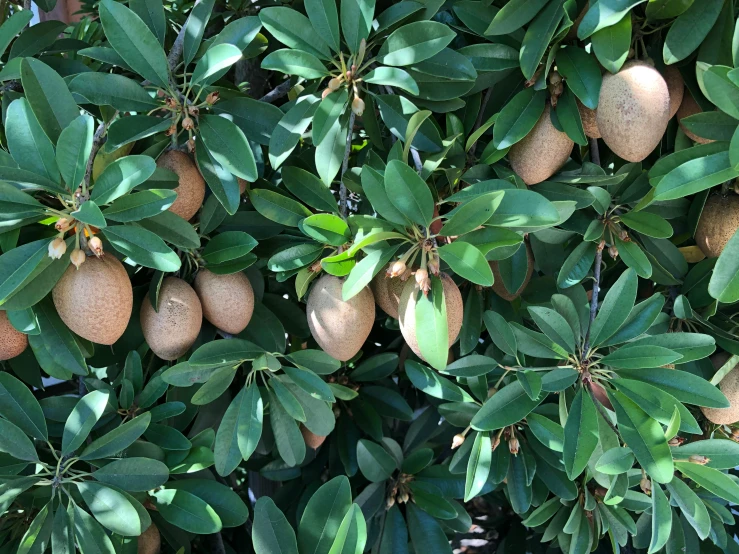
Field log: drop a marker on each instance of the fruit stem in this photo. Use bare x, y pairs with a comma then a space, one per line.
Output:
343, 196
594, 300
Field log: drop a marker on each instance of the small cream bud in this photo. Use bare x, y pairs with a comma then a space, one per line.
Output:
398, 268
698, 459
57, 248
513, 445
358, 106
457, 441
77, 257
96, 245
334, 84
421, 275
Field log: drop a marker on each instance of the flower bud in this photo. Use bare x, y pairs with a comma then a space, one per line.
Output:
77, 257
96, 245
212, 98
390, 502
57, 248
171, 131
555, 78
495, 444
188, 124
63, 224
513, 445
358, 106
190, 145
334, 84
404, 497
457, 441
646, 485
325, 93
698, 459
193, 110
398, 268
425, 285
421, 275
160, 93
613, 251
434, 267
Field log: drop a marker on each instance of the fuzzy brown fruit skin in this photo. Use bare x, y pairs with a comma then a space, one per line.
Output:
589, 120
717, 224
12, 341
690, 107
675, 87
407, 312
542, 152
150, 541
173, 330
96, 300
191, 190
311, 439
387, 291
633, 110
340, 328
729, 385
227, 300
498, 285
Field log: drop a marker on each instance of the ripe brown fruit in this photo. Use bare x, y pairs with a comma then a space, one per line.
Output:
717, 224
311, 439
589, 120
12, 341
242, 185
498, 285
173, 330
227, 300
690, 107
675, 86
633, 110
407, 312
340, 328
95, 301
191, 190
729, 385
387, 291
150, 541
540, 153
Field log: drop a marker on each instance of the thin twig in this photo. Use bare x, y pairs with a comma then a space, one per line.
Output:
343, 200
601, 409
176, 52
593, 299
480, 115
594, 152
276, 93
97, 142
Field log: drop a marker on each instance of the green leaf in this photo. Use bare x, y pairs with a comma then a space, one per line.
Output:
478, 466
20, 407
293, 29
28, 144
426, 534
229, 506
518, 117
120, 177
83, 418
722, 453
414, 42
227, 246
134, 127
278, 207
695, 176
432, 331
186, 511
684, 386
36, 537
73, 150
228, 145
329, 154
325, 20
16, 443
691, 506
133, 474
691, 346
215, 63
90, 536
134, 42
173, 229
580, 434
615, 461
195, 26
142, 205
328, 112
36, 38
90, 213
513, 16
152, 13
724, 283
470, 215
113, 509
374, 461
649, 224
604, 14
118, 439
615, 308
352, 535
637, 357
689, 30
356, 22
661, 519
323, 515
256, 119
308, 188
295, 62
143, 247
310, 383
58, 340
288, 438
507, 406
710, 479
582, 74
48, 96
554, 326
467, 262
538, 36
271, 531
12, 26
410, 194
109, 89
396, 112
645, 437
393, 77
611, 44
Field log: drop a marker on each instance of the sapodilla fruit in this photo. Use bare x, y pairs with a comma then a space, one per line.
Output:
150, 541
191, 190
687, 108
589, 120
339, 327
717, 224
173, 330
729, 385
310, 438
227, 300
96, 300
387, 291
675, 87
540, 153
12, 341
633, 110
407, 312
498, 285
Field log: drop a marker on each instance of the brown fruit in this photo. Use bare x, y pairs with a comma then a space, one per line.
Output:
542, 152
96, 300
717, 224
498, 285
729, 385
387, 291
589, 120
242, 185
191, 190
633, 110
150, 541
173, 330
227, 300
339, 327
675, 86
311, 439
407, 312
12, 341
690, 107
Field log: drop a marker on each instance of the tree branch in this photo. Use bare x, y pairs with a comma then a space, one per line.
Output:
593, 299
176, 52
594, 152
343, 200
480, 115
276, 93
97, 142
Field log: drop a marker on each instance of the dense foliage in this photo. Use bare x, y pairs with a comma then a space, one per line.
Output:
201, 205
